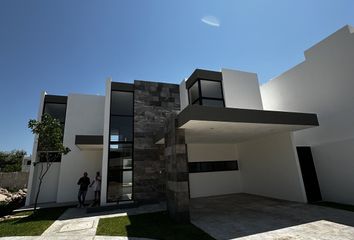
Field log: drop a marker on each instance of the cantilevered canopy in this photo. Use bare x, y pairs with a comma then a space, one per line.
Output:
89, 142
230, 125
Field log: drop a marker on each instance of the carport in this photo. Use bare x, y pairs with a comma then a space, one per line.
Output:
266, 157
263, 148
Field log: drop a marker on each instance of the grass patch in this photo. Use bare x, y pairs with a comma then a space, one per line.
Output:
150, 225
336, 205
31, 225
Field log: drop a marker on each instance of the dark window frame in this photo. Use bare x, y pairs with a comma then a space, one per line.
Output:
200, 98
123, 143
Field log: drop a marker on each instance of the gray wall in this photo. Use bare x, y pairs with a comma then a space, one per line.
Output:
152, 103
13, 179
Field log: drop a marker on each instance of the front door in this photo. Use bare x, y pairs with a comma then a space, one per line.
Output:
309, 175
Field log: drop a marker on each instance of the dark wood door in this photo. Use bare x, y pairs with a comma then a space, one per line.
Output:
309, 175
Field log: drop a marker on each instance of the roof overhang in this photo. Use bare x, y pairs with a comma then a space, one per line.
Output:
89, 142
203, 74
231, 125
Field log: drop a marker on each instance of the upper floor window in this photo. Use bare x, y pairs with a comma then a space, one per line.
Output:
122, 103
206, 93
55, 106
56, 110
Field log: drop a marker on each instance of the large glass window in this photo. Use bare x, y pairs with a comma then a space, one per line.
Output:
122, 103
121, 128
120, 181
121, 156
120, 159
206, 93
211, 89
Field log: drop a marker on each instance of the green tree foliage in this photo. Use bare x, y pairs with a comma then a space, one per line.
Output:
50, 140
11, 161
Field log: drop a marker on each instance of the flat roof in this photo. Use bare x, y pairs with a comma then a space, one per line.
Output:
204, 113
203, 74
204, 124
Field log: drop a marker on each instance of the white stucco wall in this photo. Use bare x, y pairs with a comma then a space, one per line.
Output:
213, 183
49, 186
269, 167
323, 84
84, 116
106, 119
31, 177
335, 166
241, 89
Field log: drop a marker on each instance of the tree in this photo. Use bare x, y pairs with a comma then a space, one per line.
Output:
50, 141
11, 161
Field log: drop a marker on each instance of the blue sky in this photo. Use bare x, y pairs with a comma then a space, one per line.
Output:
73, 46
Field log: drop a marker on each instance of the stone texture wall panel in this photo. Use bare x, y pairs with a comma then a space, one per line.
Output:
153, 103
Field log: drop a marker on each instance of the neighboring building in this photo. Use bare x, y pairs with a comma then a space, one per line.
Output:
215, 133
26, 163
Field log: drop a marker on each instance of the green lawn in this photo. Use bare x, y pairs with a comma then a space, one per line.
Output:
337, 205
31, 225
150, 225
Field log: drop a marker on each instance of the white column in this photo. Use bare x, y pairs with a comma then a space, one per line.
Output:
107, 107
30, 184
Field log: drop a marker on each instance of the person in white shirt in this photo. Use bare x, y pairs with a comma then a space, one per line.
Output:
96, 183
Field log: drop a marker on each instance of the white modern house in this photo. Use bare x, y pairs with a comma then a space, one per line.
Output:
218, 132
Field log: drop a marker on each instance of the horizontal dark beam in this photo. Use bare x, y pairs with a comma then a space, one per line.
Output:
89, 139
203, 113
118, 86
203, 74
55, 99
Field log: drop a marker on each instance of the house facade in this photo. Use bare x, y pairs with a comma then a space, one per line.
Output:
217, 132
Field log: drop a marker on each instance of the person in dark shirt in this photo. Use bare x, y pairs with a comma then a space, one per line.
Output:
84, 182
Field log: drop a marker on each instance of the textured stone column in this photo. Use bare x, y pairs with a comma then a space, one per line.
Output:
153, 102
177, 187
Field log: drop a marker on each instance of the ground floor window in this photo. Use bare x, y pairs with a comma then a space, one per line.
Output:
120, 173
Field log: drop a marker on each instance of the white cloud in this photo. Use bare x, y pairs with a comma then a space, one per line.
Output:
211, 21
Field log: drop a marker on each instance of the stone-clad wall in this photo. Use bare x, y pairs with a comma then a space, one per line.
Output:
153, 102
177, 172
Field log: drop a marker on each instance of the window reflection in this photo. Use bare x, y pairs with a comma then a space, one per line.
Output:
211, 89
210, 93
121, 128
120, 160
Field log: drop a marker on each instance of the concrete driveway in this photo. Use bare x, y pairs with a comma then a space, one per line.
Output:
244, 216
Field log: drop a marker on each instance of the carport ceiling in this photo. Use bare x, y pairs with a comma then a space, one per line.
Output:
232, 132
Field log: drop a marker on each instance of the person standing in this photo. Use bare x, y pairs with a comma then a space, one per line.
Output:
84, 182
97, 187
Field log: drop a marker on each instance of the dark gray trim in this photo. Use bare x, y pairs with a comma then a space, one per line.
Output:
118, 86
213, 166
203, 113
203, 74
55, 99
89, 139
